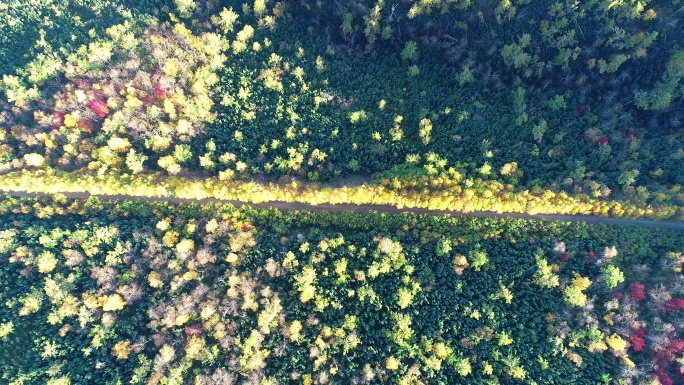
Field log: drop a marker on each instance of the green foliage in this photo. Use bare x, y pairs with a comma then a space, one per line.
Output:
275, 103
466, 76
413, 71
515, 56
574, 296
343, 283
185, 7
612, 276
544, 275
443, 247
463, 367
410, 51
557, 103
182, 153
477, 258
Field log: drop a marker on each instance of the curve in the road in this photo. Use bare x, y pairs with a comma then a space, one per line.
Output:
367, 208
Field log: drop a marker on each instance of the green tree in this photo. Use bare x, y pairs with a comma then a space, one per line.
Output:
410, 51
544, 275
612, 276
182, 153
443, 247
478, 258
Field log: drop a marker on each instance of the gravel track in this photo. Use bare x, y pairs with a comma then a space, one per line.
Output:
367, 208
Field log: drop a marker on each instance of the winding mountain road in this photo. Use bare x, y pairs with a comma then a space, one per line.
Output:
367, 208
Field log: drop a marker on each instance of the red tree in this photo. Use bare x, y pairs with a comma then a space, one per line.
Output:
676, 346
671, 306
58, 118
99, 107
637, 343
637, 292
591, 256
193, 330
664, 378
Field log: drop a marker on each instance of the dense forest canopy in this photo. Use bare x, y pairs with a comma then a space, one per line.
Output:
519, 106
579, 97
157, 294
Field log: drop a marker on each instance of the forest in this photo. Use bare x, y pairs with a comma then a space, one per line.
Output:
507, 109
578, 100
98, 292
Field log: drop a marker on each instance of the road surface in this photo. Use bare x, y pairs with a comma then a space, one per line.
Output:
368, 208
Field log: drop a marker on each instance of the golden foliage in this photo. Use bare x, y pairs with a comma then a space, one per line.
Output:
240, 240
113, 302
121, 350
181, 319
34, 160
46, 262
453, 197
232, 258
597, 346
391, 363
194, 348
154, 279
185, 246
118, 144
170, 238
295, 329
441, 351
616, 343
211, 226
580, 282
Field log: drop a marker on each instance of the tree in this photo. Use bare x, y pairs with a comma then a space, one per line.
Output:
478, 258
45, 66
410, 51
64, 380
538, 130
169, 164
46, 262
118, 144
628, 177
226, 20
544, 275
574, 296
113, 302
616, 343
135, 162
515, 56
466, 76
613, 276
392, 363
16, 92
425, 131
122, 350
34, 160
99, 53
259, 7
185, 7
443, 247
195, 348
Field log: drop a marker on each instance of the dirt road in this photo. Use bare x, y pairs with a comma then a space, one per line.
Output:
368, 208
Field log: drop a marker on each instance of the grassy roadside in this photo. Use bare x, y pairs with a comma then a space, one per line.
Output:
482, 196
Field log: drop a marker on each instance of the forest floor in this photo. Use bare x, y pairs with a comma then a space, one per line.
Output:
364, 209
